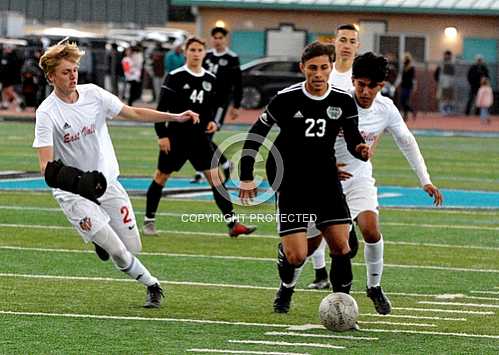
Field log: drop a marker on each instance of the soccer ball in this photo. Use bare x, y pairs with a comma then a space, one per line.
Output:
338, 312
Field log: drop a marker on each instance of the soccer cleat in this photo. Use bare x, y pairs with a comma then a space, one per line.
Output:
320, 284
381, 302
282, 300
149, 228
197, 178
353, 243
227, 170
101, 253
154, 295
239, 228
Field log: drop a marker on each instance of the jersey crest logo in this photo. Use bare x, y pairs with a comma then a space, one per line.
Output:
186, 86
86, 224
223, 62
66, 125
298, 114
334, 112
206, 85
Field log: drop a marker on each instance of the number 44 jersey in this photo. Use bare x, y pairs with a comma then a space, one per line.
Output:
184, 90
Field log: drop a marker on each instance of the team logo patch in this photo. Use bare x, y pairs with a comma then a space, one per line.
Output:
86, 224
206, 85
334, 112
298, 114
223, 62
66, 125
186, 86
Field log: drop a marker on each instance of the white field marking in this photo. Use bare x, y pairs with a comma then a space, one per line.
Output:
461, 304
227, 351
407, 316
487, 292
427, 332
397, 323
460, 295
264, 236
205, 284
444, 310
428, 267
285, 343
328, 336
176, 214
181, 320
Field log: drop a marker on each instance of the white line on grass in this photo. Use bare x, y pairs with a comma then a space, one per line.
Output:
487, 292
411, 317
426, 267
426, 332
285, 343
227, 351
461, 304
397, 323
199, 321
443, 310
328, 336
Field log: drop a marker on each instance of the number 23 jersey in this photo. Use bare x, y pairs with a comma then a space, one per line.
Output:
308, 128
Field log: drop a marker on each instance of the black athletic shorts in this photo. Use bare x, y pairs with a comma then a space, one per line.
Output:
297, 207
196, 149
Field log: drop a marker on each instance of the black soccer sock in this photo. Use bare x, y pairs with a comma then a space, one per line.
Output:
153, 197
224, 204
321, 274
341, 273
222, 159
286, 270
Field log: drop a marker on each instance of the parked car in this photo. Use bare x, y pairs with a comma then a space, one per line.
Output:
263, 78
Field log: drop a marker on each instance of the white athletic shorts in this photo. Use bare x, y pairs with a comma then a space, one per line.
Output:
88, 218
361, 195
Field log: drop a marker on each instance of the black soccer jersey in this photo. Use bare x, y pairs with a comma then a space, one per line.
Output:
185, 90
227, 69
308, 129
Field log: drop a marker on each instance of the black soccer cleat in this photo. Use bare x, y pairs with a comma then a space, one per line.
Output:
282, 300
101, 253
154, 295
353, 243
381, 302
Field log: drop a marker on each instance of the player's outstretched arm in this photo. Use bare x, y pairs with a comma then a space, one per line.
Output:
149, 115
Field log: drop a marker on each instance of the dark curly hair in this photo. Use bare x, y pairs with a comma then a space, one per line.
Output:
317, 49
370, 66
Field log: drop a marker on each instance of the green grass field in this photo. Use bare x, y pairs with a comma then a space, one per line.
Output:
441, 272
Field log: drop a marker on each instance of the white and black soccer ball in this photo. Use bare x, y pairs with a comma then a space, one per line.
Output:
338, 312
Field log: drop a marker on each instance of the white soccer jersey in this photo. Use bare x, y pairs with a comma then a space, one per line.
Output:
78, 132
341, 80
372, 122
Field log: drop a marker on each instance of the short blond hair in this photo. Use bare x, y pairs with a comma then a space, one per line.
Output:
54, 54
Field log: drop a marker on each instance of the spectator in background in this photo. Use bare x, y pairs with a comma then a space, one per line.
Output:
174, 59
10, 75
444, 76
158, 68
475, 74
484, 100
407, 86
390, 87
132, 67
31, 79
86, 68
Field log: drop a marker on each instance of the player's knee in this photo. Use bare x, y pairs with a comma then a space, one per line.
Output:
121, 256
340, 248
160, 177
371, 235
297, 257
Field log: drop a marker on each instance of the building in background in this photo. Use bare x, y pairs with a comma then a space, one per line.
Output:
425, 28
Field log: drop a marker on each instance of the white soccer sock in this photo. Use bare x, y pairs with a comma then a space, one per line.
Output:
373, 255
138, 272
318, 257
296, 275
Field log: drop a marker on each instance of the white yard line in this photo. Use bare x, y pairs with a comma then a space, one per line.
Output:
228, 351
461, 304
109, 317
397, 323
458, 311
408, 316
426, 267
487, 292
217, 285
327, 336
263, 236
426, 332
285, 343
200, 321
